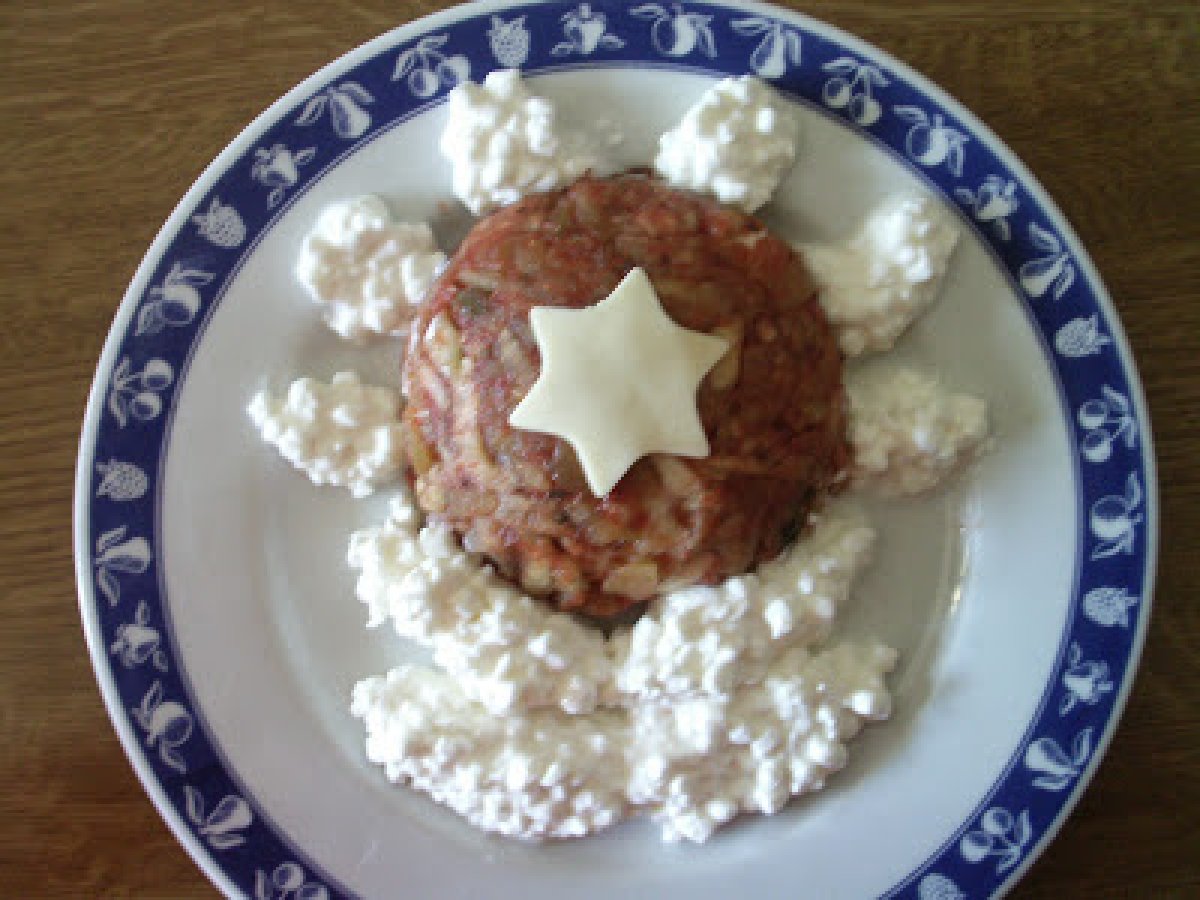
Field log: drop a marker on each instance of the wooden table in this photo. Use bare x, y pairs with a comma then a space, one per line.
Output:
110, 108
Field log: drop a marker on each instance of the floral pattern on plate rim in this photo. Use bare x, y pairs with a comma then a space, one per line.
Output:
811, 63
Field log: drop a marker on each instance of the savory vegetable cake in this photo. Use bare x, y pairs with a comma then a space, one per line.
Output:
773, 408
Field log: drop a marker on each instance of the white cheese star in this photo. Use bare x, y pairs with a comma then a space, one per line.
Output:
618, 381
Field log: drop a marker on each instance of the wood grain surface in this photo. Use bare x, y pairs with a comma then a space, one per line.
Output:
110, 108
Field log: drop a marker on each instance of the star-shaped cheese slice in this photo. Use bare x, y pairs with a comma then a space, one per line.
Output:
618, 381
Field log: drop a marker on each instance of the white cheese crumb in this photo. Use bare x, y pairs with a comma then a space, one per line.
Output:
708, 640
690, 764
875, 285
736, 143
716, 706
696, 763
367, 271
507, 650
345, 433
536, 775
908, 433
502, 143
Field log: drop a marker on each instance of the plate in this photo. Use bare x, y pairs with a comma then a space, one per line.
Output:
220, 615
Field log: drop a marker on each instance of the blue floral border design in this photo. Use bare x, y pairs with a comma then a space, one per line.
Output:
846, 79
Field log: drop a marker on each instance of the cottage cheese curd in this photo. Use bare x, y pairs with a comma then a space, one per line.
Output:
706, 641
736, 143
876, 284
908, 432
696, 762
691, 750
532, 775
344, 433
505, 650
691, 764
503, 143
365, 270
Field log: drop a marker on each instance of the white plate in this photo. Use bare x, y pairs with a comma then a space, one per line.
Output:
221, 616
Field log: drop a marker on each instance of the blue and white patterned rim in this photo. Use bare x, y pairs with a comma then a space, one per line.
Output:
237, 200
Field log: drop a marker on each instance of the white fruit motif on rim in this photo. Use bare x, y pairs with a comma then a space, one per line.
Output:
1114, 520
278, 168
1058, 768
779, 47
510, 41
121, 481
136, 393
1081, 337
1052, 269
428, 70
938, 887
137, 642
1000, 834
175, 302
1105, 421
931, 142
222, 826
1086, 681
287, 882
221, 225
851, 88
345, 104
586, 31
1109, 606
166, 723
117, 555
677, 32
992, 204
